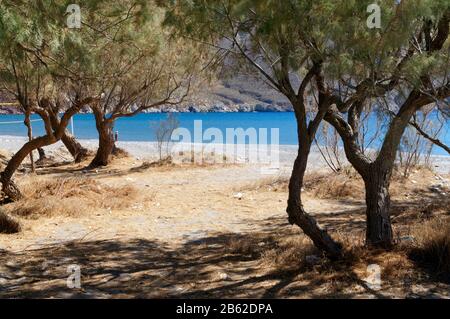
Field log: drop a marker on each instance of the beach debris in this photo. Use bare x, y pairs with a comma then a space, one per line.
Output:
137, 206
238, 195
223, 276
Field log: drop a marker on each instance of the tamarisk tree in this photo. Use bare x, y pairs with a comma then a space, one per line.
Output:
36, 33
397, 70
284, 44
331, 65
134, 65
21, 68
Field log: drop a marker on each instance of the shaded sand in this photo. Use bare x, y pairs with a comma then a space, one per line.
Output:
197, 231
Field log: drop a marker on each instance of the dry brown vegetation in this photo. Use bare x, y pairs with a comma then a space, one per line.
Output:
431, 246
69, 197
119, 153
421, 217
4, 157
347, 184
295, 256
8, 225
268, 259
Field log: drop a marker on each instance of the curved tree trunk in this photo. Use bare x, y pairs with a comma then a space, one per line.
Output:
78, 152
8, 186
298, 216
53, 135
106, 144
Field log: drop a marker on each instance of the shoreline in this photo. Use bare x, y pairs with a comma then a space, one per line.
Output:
142, 150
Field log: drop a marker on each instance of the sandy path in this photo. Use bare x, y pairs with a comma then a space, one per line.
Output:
172, 244
176, 235
186, 204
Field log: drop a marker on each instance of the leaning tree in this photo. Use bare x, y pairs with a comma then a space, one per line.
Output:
22, 70
285, 44
37, 34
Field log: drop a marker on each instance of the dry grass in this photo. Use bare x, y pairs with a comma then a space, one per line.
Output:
183, 161
8, 225
347, 184
289, 254
323, 185
119, 153
271, 183
295, 254
419, 211
334, 186
69, 197
432, 245
4, 158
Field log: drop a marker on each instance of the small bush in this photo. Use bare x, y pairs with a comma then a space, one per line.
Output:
334, 186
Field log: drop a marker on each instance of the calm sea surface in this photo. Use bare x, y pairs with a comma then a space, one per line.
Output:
139, 128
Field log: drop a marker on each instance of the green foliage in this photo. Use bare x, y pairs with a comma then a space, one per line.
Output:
120, 47
334, 32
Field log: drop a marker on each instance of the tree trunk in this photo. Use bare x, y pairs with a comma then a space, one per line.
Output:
78, 152
106, 144
297, 214
27, 123
379, 228
41, 153
8, 186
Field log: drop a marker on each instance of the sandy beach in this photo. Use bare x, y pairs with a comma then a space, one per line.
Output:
194, 230
148, 151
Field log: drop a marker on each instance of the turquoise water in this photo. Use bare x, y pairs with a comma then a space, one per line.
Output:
139, 128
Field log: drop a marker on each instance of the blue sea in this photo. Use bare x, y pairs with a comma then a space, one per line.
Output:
139, 128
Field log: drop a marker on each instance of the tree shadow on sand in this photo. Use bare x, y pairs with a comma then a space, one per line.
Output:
226, 265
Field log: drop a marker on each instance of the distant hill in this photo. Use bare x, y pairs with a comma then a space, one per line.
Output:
7, 109
238, 94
